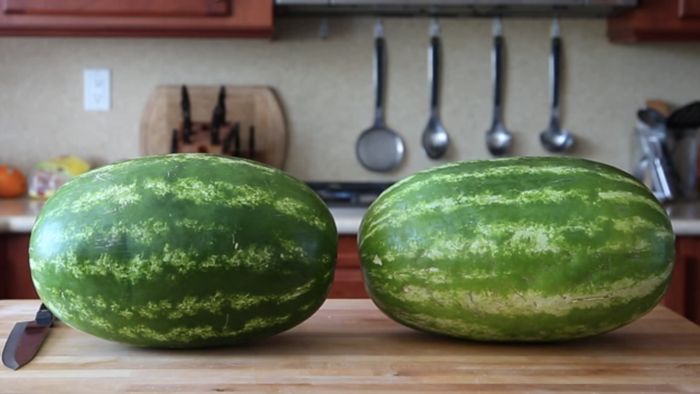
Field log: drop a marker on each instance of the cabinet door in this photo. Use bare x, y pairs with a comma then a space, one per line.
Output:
683, 294
348, 282
657, 20
137, 18
15, 279
689, 8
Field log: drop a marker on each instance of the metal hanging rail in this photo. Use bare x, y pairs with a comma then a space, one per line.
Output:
454, 8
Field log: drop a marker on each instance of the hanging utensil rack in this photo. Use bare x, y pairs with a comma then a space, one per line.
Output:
454, 8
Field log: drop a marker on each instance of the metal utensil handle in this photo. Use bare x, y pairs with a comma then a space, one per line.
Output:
434, 64
555, 77
379, 80
496, 75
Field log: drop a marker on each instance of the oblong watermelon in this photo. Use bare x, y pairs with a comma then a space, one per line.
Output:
524, 249
183, 250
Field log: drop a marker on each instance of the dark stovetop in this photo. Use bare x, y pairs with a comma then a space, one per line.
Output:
348, 194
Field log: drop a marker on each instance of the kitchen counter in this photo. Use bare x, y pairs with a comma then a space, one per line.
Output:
685, 217
350, 346
18, 215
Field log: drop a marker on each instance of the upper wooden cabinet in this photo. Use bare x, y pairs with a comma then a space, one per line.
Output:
657, 20
137, 18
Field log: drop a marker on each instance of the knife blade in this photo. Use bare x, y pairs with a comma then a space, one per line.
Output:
186, 115
230, 138
218, 117
26, 339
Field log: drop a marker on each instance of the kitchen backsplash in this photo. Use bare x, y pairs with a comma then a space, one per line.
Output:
326, 89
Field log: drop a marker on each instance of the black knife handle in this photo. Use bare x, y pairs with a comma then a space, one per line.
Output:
226, 146
215, 125
187, 132
221, 104
251, 142
218, 117
228, 141
174, 146
186, 117
44, 317
236, 142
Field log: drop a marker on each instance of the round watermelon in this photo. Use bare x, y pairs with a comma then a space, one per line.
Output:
183, 250
522, 249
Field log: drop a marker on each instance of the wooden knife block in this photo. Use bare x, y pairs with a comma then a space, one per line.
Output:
200, 140
256, 106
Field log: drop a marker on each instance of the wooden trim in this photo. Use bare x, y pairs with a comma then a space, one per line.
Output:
689, 8
119, 8
653, 20
250, 18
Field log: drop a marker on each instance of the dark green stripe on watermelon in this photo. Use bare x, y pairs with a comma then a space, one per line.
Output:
517, 249
165, 233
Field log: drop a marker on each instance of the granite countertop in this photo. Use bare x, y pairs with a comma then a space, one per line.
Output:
18, 215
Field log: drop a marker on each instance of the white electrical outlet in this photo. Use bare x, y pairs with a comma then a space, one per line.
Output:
97, 89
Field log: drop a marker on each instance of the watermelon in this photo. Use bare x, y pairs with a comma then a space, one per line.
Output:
183, 250
520, 249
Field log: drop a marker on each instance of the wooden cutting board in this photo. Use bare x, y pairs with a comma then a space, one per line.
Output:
350, 346
256, 106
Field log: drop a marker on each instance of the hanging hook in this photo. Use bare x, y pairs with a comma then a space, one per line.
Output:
555, 31
497, 26
323, 28
379, 28
434, 27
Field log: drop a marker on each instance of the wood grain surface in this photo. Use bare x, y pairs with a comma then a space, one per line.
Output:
256, 106
132, 18
349, 346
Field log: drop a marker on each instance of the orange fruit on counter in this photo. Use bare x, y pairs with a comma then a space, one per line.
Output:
12, 182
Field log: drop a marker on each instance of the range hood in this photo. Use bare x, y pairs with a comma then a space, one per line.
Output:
486, 8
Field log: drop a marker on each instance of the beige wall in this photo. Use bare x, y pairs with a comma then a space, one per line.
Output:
325, 86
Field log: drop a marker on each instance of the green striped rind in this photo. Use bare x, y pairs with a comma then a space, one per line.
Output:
183, 250
526, 249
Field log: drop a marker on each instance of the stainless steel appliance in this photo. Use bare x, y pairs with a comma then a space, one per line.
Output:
348, 194
668, 160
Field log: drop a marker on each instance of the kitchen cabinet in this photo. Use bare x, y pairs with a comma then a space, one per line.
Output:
15, 280
683, 295
137, 18
348, 281
657, 20
684, 292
